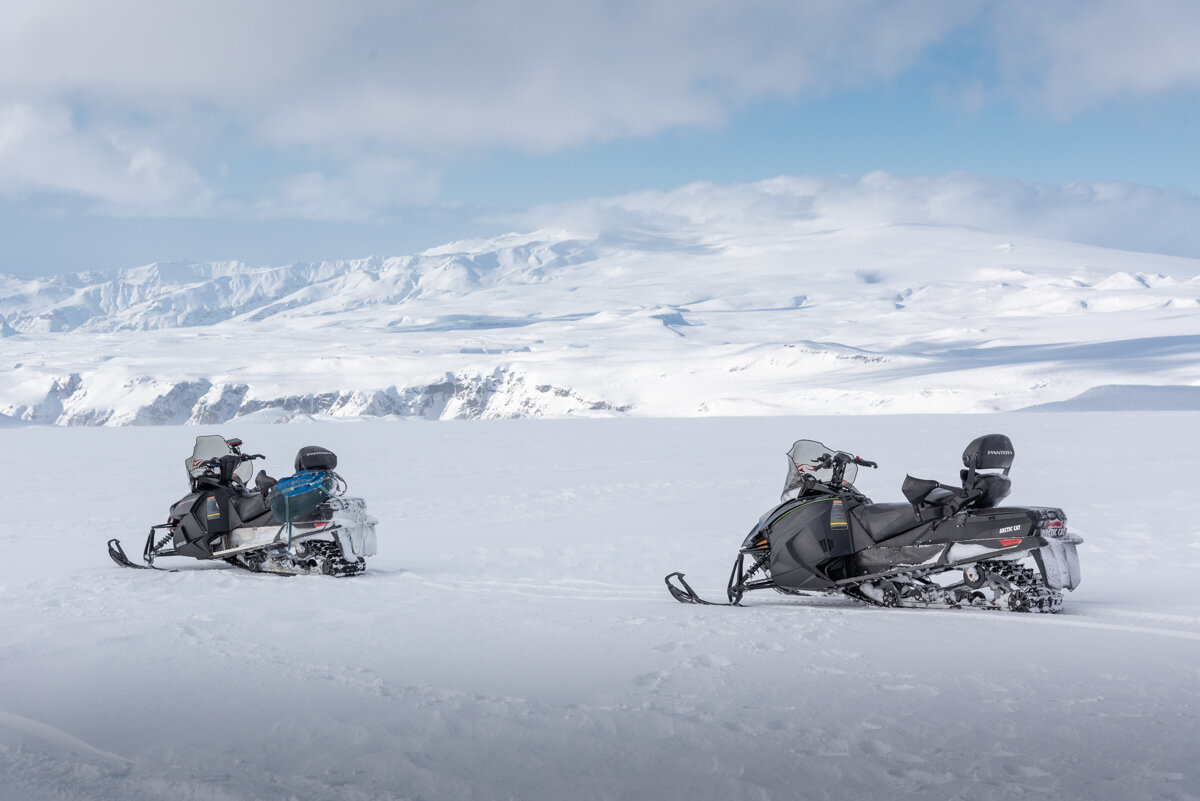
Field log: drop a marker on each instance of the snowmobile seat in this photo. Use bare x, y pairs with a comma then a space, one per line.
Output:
264, 483
250, 506
883, 521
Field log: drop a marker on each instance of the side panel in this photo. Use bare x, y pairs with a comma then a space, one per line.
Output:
984, 524
182, 506
805, 535
884, 558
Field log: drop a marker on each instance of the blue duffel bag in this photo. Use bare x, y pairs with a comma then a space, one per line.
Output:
297, 496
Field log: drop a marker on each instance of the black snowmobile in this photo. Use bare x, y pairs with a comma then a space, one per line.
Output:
304, 523
946, 547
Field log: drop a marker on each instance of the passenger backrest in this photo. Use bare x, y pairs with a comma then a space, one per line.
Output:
989, 452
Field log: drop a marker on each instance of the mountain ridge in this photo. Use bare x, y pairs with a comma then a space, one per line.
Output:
710, 300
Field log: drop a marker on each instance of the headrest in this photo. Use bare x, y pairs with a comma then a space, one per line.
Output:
989, 452
314, 457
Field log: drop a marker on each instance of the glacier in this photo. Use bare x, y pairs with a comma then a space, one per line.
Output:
714, 301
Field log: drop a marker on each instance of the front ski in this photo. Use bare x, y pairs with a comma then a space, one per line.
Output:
685, 594
118, 555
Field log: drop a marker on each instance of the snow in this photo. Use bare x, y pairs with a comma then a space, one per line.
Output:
513, 638
1129, 397
789, 296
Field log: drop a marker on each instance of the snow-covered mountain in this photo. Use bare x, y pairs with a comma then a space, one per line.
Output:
759, 299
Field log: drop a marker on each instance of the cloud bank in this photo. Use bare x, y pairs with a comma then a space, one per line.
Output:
1111, 215
137, 106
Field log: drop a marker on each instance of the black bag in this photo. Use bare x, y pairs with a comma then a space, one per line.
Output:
314, 457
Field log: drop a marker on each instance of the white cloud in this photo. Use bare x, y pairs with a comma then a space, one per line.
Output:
432, 75
126, 101
542, 74
357, 194
1074, 53
43, 149
1115, 215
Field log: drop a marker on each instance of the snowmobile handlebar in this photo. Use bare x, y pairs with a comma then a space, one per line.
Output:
837, 463
223, 468
843, 458
215, 462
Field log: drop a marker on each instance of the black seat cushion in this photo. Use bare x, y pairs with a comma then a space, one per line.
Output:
882, 521
927, 491
993, 488
918, 489
252, 508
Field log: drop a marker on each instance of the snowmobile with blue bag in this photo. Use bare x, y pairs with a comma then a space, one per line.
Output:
944, 547
304, 523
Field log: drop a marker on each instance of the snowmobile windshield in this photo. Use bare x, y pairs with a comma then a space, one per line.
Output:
214, 446
804, 459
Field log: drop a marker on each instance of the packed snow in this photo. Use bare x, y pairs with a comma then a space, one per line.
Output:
513, 638
764, 299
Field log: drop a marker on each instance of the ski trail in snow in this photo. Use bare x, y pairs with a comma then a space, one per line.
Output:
557, 589
1160, 617
1069, 620
1124, 627
61, 739
561, 589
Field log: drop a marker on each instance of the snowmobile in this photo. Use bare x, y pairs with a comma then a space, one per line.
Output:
304, 523
945, 547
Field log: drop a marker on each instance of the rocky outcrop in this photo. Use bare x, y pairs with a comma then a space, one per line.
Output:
50, 408
462, 396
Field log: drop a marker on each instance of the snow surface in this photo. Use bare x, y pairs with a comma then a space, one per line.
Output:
513, 638
773, 298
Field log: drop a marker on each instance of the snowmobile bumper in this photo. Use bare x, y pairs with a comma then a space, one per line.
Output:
356, 528
1058, 560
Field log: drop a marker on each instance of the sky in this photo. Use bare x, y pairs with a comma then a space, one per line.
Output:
273, 131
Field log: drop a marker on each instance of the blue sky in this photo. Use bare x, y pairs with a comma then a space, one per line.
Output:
272, 131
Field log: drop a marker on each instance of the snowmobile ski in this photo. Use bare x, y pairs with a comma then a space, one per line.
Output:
118, 555
686, 595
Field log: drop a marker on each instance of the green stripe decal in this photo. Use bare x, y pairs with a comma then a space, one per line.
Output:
801, 506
